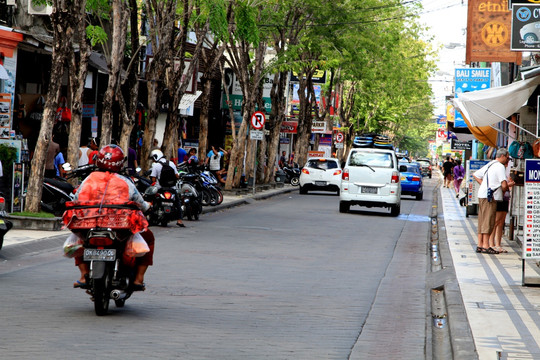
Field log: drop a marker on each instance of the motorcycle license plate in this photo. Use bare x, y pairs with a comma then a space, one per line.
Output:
167, 204
100, 254
368, 190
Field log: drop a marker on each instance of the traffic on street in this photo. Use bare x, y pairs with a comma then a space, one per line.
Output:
282, 278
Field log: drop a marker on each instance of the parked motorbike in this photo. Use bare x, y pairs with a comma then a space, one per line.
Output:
57, 191
163, 209
191, 206
105, 232
292, 175
5, 225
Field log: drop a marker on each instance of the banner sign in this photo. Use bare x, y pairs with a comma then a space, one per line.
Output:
289, 127
461, 145
531, 201
318, 127
488, 32
466, 80
525, 28
319, 77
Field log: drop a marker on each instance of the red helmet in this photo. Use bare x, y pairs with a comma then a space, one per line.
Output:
110, 158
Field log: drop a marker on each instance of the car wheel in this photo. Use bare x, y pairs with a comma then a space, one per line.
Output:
420, 196
303, 190
395, 210
430, 176
530, 38
344, 207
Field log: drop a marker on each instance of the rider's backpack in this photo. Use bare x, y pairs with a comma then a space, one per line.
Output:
167, 177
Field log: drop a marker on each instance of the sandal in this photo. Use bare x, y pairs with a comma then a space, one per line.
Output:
139, 287
501, 250
480, 249
490, 251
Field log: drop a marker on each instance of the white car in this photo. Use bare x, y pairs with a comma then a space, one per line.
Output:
371, 178
320, 174
530, 33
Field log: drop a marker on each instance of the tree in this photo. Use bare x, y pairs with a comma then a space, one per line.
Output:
63, 29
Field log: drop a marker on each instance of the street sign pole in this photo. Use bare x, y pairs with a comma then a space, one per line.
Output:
255, 165
257, 122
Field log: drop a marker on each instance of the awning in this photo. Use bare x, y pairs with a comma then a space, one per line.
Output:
488, 107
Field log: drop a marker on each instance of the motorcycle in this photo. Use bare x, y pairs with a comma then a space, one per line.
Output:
5, 225
105, 235
189, 197
57, 191
292, 175
163, 209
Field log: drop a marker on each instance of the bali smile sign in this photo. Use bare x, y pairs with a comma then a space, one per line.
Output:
467, 80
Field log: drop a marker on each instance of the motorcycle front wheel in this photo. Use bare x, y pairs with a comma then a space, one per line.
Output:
295, 181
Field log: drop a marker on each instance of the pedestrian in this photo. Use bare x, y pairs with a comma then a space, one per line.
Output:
52, 151
282, 160
87, 151
447, 172
213, 160
500, 217
132, 161
58, 162
459, 174
491, 176
182, 154
291, 160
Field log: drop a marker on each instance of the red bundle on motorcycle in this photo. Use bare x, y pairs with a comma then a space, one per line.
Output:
90, 214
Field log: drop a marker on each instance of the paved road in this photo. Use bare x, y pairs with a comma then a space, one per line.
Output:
284, 278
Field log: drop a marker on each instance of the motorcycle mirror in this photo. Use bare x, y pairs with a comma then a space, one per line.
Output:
66, 167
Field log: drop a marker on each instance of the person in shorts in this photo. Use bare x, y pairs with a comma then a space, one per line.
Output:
492, 176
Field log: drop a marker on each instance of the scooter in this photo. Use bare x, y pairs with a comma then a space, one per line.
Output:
163, 209
57, 191
103, 236
5, 225
292, 175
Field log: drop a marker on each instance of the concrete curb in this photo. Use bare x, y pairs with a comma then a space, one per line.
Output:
461, 338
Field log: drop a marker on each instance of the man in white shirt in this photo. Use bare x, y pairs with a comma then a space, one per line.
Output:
492, 176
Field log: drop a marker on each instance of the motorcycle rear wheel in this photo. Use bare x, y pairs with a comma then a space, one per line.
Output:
101, 297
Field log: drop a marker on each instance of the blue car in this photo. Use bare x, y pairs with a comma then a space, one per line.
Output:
411, 180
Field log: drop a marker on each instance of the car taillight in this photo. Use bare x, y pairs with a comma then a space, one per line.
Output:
305, 171
2, 203
167, 195
337, 172
100, 241
395, 177
416, 178
345, 174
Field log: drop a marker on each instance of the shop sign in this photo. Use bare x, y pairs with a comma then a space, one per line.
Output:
525, 27
289, 127
461, 145
489, 31
531, 208
319, 77
466, 80
318, 127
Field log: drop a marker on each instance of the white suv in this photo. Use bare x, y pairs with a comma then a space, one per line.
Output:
371, 178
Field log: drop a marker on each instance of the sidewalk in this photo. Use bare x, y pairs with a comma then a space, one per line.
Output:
504, 315
22, 236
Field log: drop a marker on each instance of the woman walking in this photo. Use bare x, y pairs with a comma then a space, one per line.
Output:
459, 174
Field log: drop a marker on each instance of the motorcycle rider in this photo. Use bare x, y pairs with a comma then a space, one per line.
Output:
107, 186
158, 161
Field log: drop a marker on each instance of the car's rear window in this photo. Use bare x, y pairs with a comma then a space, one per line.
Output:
376, 159
413, 169
322, 164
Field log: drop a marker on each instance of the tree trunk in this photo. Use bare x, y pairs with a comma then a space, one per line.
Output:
63, 34
120, 18
203, 119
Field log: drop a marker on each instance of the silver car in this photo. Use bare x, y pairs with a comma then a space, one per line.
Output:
371, 178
